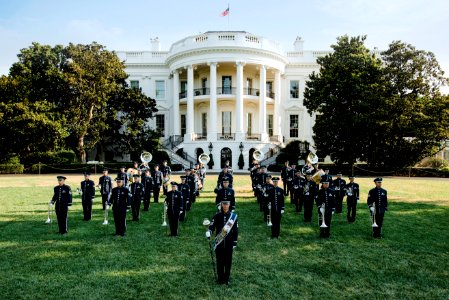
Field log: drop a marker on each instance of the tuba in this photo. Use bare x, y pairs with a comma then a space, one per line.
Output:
203, 158
258, 155
146, 157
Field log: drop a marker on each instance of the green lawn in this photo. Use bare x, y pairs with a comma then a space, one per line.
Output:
412, 261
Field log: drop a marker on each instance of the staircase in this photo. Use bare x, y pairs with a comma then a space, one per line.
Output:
171, 145
271, 155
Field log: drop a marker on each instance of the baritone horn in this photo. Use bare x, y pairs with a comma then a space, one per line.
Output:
204, 158
258, 155
146, 157
312, 158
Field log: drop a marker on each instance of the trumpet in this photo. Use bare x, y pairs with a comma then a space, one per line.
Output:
49, 212
164, 215
374, 216
269, 216
323, 210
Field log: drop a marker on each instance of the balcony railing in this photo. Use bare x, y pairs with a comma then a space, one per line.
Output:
199, 137
270, 94
226, 136
173, 141
201, 92
183, 95
253, 137
276, 138
226, 90
251, 92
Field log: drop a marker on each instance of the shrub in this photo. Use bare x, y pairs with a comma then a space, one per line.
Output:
11, 169
58, 157
433, 162
241, 162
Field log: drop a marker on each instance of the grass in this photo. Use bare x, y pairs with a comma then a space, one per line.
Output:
412, 261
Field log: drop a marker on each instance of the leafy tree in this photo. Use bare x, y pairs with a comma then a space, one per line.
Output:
293, 152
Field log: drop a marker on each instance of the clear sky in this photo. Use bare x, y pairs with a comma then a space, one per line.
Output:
129, 25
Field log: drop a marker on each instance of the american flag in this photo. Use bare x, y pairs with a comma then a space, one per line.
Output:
225, 13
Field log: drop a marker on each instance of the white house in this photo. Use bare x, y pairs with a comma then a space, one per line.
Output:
232, 90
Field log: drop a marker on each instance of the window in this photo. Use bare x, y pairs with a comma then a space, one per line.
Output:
226, 84
249, 122
204, 86
183, 124
294, 126
204, 124
294, 89
183, 86
249, 85
160, 124
270, 125
226, 122
134, 84
160, 89
269, 87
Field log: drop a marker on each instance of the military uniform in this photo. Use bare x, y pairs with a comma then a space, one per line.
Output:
377, 199
120, 203
266, 190
338, 186
105, 183
123, 176
137, 196
326, 196
228, 176
277, 201
290, 176
185, 191
253, 174
226, 194
174, 208
284, 172
309, 192
352, 197
62, 198
157, 183
166, 171
260, 181
224, 250
328, 178
193, 186
87, 197
296, 190
147, 182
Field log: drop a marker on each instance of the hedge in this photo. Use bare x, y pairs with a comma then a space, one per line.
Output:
80, 168
11, 169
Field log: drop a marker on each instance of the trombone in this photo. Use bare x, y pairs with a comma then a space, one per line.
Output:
374, 216
323, 210
164, 215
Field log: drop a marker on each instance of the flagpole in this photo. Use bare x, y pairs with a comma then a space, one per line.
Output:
229, 12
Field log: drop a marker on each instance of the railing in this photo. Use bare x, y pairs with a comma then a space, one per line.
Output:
189, 158
253, 137
201, 92
199, 137
226, 136
251, 92
270, 94
272, 152
226, 91
173, 141
183, 95
276, 138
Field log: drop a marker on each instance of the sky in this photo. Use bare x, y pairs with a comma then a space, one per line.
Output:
129, 25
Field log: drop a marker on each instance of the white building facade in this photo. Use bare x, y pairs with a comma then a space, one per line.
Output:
225, 92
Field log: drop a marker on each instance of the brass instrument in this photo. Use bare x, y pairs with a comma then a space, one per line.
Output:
312, 159
49, 212
323, 211
164, 215
258, 155
106, 212
166, 180
374, 216
203, 158
146, 157
269, 216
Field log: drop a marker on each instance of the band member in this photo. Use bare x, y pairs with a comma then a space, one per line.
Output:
297, 188
326, 206
277, 207
120, 203
378, 205
225, 194
225, 224
227, 174
174, 208
105, 183
352, 197
202, 174
137, 190
147, 182
228, 165
266, 190
253, 172
260, 181
185, 191
62, 197
192, 181
166, 172
255, 178
326, 177
284, 172
87, 196
339, 185
157, 183
123, 175
290, 176
309, 193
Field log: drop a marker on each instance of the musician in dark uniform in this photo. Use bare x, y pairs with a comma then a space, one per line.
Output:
309, 192
62, 197
277, 207
284, 172
266, 189
227, 174
352, 197
166, 172
297, 188
225, 224
290, 176
105, 183
185, 191
174, 208
122, 174
157, 183
253, 173
326, 177
137, 190
339, 185
87, 196
225, 194
202, 174
326, 205
378, 205
147, 182
120, 203
260, 181
193, 185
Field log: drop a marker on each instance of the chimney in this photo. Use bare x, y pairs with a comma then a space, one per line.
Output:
299, 43
155, 45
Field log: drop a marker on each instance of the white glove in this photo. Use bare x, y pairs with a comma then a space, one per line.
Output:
69, 207
208, 234
180, 212
371, 209
333, 212
282, 211
107, 207
322, 210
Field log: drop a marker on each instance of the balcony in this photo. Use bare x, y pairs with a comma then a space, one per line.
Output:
225, 136
226, 91
252, 137
199, 137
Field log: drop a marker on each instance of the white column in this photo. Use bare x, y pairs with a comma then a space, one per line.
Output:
239, 134
190, 115
263, 103
212, 130
176, 116
277, 118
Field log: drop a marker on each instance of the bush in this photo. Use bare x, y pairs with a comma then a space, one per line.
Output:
210, 164
433, 162
58, 157
11, 169
241, 162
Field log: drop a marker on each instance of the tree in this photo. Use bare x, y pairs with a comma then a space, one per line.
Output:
293, 152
